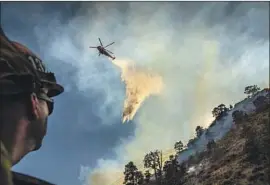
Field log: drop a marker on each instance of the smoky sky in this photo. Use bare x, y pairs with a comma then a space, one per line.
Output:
167, 37
75, 135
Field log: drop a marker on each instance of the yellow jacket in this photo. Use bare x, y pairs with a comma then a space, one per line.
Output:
5, 167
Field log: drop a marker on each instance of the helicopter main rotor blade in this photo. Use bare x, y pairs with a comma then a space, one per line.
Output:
92, 47
109, 51
100, 42
109, 44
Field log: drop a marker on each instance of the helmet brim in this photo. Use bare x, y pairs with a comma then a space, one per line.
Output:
54, 89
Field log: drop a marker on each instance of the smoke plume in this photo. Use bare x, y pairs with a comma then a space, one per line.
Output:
199, 55
139, 85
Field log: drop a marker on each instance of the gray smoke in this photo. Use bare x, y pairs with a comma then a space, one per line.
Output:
206, 54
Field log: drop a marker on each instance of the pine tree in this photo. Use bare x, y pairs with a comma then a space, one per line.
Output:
178, 146
199, 131
153, 160
132, 175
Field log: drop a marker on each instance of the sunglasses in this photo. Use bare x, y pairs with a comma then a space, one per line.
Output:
49, 101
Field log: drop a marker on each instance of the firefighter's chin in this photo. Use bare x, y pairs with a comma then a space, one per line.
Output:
30, 145
34, 145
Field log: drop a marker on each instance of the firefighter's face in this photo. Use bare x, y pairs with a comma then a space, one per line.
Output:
41, 111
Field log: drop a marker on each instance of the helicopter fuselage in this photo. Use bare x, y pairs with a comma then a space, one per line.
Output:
101, 49
104, 52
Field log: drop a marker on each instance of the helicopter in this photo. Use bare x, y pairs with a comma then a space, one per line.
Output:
104, 51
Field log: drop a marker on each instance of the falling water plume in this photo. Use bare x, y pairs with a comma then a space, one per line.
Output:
140, 83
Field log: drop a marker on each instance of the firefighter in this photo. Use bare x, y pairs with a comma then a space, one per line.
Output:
26, 92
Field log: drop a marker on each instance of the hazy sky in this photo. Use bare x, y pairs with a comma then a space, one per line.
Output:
205, 52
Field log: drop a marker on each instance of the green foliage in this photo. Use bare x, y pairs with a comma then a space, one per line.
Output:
220, 111
132, 175
199, 131
251, 90
178, 146
153, 160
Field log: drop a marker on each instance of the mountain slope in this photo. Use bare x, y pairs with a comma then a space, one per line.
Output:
220, 127
240, 157
234, 150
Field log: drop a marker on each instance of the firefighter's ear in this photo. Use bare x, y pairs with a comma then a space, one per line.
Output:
34, 106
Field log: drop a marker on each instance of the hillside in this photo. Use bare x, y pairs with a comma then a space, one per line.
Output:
240, 157
233, 150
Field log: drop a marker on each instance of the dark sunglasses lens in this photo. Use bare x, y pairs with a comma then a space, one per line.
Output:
50, 106
49, 101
